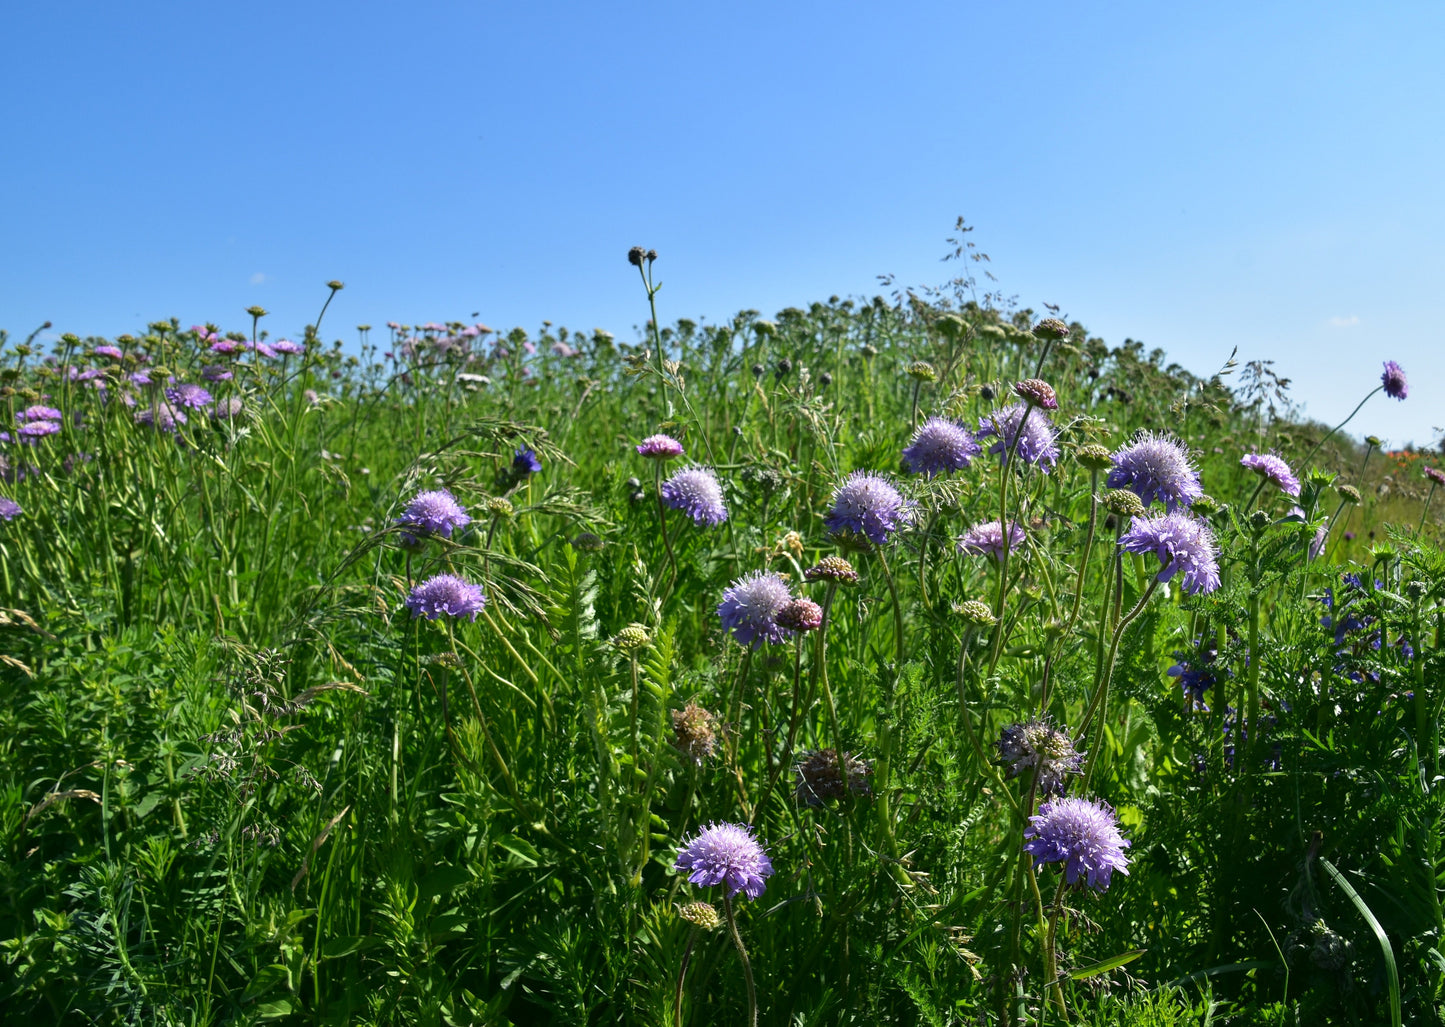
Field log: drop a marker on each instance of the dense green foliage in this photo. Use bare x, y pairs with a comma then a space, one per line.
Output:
239, 781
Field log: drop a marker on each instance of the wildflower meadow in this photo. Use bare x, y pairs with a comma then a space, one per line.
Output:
913, 660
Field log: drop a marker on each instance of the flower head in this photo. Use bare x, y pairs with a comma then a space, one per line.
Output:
800, 615
113, 352
832, 568
287, 347
819, 778
37, 429
434, 513
659, 447
216, 373
750, 608
9, 509
227, 409
446, 594
1035, 444
987, 539
1393, 378
696, 492
940, 446
525, 462
1083, 835
1182, 542
1037, 392
40, 413
1156, 466
1436, 476
164, 415
1273, 469
1047, 750
694, 732
726, 854
867, 504
189, 395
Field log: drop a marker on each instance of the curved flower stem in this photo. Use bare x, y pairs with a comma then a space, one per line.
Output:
1051, 948
743, 955
662, 526
1007, 537
1305, 462
1099, 702
897, 607
820, 671
983, 760
1051, 966
1425, 512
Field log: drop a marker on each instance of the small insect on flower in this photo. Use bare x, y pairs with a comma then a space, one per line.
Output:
1394, 380
696, 492
750, 608
1272, 469
660, 447
446, 594
867, 504
1156, 467
940, 446
726, 854
1083, 835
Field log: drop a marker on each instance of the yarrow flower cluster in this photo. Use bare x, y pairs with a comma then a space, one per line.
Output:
940, 446
1035, 445
446, 594
1272, 469
867, 504
1184, 545
750, 608
987, 539
696, 492
1393, 378
726, 854
1039, 746
1081, 834
435, 512
659, 447
1156, 467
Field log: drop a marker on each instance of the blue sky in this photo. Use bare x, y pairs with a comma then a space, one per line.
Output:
1265, 176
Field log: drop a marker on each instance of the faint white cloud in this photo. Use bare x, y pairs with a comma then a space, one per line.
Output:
1344, 322
258, 278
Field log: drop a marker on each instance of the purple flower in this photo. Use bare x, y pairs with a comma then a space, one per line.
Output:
1035, 445
446, 594
9, 509
987, 539
38, 429
263, 348
227, 409
188, 394
726, 854
139, 378
940, 446
113, 352
1272, 468
525, 462
1182, 542
1083, 835
40, 413
216, 373
750, 608
1394, 381
434, 513
287, 347
1038, 745
1156, 467
867, 504
163, 416
659, 447
696, 492
229, 347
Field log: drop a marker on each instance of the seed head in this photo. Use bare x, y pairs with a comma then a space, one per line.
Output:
632, 638
832, 568
1093, 456
500, 507
820, 779
694, 732
587, 542
636, 255
701, 914
1037, 392
800, 615
1349, 493
922, 371
1122, 502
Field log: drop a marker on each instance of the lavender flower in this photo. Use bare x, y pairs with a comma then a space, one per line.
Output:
40, 413
1156, 466
227, 409
9, 509
434, 513
660, 447
1396, 386
216, 373
940, 446
696, 492
37, 429
113, 352
750, 608
1083, 835
1035, 445
987, 539
189, 395
726, 854
1182, 542
1272, 469
1038, 745
867, 504
446, 594
163, 416
525, 462
287, 347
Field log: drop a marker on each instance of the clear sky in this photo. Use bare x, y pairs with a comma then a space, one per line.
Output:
1201, 177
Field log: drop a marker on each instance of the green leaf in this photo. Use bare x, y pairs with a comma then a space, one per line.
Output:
1113, 963
1391, 973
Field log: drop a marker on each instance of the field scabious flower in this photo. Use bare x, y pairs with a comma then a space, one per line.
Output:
940, 446
800, 615
867, 504
9, 509
1394, 381
164, 416
113, 352
659, 447
987, 539
40, 413
696, 492
1273, 469
1156, 466
286, 347
1182, 542
1083, 835
1047, 750
435, 512
446, 594
189, 395
1035, 444
726, 854
38, 429
750, 608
